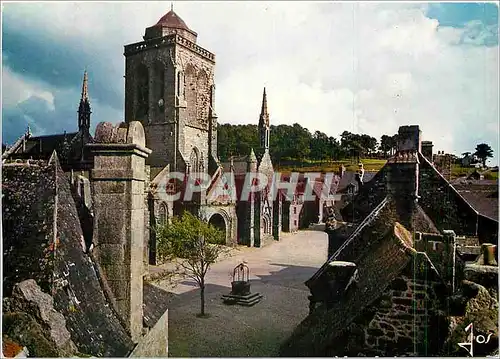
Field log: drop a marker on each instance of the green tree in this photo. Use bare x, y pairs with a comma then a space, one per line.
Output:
321, 148
386, 144
483, 152
368, 144
194, 245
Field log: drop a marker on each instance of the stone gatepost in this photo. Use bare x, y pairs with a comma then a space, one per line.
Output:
277, 212
118, 186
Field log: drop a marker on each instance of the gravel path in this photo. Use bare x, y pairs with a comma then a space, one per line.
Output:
277, 271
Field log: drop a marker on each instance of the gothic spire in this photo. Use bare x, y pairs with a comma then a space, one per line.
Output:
264, 130
85, 90
264, 115
84, 107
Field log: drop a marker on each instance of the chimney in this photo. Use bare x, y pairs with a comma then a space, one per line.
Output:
409, 138
427, 150
403, 172
359, 175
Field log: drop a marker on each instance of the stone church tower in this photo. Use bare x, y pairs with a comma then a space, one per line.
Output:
169, 88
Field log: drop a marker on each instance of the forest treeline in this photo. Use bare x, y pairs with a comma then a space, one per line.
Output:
294, 142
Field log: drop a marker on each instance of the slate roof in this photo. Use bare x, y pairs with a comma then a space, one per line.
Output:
43, 240
239, 165
67, 145
378, 260
350, 177
482, 195
434, 190
156, 302
381, 249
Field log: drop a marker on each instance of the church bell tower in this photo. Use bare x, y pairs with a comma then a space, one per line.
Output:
169, 88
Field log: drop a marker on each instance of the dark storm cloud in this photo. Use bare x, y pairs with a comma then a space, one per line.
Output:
60, 63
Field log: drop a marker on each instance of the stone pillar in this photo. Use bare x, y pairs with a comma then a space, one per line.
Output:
118, 185
277, 209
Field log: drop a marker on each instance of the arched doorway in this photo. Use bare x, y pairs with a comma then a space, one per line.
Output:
218, 221
266, 225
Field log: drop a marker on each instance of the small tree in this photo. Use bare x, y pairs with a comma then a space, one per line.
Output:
483, 151
194, 244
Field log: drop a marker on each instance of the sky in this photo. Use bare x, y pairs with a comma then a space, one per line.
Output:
356, 66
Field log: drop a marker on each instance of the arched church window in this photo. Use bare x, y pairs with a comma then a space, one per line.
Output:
179, 83
159, 85
190, 92
162, 214
142, 91
194, 160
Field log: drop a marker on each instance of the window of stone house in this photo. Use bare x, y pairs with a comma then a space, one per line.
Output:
294, 210
295, 222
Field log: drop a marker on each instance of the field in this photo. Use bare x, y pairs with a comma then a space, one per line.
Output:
369, 164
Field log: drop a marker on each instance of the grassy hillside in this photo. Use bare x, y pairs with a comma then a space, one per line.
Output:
370, 164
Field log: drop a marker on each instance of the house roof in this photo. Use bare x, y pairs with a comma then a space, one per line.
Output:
381, 249
482, 195
239, 165
67, 145
350, 177
381, 261
44, 241
156, 302
466, 204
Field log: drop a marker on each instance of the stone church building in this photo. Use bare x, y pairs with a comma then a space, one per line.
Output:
170, 90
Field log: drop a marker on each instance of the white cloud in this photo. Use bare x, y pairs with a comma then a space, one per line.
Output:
18, 88
361, 67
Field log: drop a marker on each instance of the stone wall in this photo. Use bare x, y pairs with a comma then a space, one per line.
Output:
443, 204
401, 323
441, 249
155, 342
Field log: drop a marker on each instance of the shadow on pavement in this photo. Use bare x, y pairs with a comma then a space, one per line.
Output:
237, 331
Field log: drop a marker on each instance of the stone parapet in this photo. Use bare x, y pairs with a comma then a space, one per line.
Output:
167, 41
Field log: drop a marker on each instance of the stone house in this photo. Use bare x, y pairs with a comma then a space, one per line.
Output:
66, 295
398, 280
